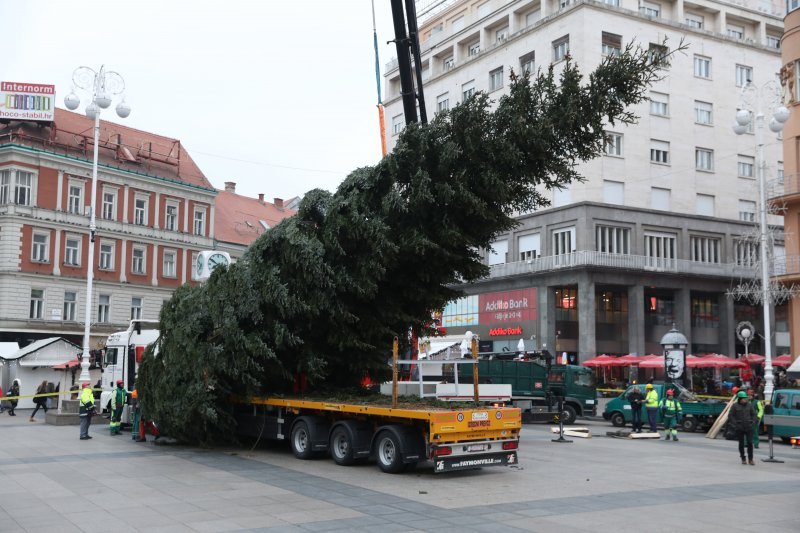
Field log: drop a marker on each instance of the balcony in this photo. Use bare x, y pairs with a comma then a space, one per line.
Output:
788, 185
786, 266
636, 263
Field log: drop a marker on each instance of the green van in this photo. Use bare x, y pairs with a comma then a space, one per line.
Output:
786, 402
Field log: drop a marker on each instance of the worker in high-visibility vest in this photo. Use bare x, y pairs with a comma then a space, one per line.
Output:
651, 404
86, 409
137, 429
671, 409
758, 405
117, 404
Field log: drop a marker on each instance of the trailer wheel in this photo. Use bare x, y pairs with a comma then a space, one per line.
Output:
689, 424
569, 415
617, 419
341, 447
300, 441
387, 453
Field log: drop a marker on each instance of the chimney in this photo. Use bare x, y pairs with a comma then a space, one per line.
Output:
261, 198
230, 186
278, 202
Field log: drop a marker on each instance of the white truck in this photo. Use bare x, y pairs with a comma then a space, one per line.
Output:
124, 351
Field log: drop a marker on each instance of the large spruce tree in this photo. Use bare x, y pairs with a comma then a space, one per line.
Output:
324, 293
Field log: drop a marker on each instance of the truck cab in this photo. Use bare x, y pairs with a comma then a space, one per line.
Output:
124, 351
786, 403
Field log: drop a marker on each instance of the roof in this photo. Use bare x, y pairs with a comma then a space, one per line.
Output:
7, 349
240, 220
34, 347
72, 134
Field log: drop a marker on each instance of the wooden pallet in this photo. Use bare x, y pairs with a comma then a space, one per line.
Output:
579, 432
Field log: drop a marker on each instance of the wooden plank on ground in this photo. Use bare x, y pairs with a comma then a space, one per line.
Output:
720, 421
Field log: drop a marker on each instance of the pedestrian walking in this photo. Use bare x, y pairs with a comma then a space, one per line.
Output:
651, 404
13, 393
741, 417
671, 411
40, 400
636, 399
758, 405
86, 409
117, 404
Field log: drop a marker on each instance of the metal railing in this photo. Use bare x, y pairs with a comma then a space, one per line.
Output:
788, 185
786, 265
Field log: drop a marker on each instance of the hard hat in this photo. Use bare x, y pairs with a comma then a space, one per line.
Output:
670, 392
741, 394
86, 385
120, 382
735, 390
649, 386
749, 392
135, 394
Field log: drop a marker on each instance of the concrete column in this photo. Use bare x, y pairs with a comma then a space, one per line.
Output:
545, 8
156, 210
587, 347
57, 252
719, 23
123, 262
210, 231
683, 314
547, 319
727, 326
186, 205
678, 14
185, 255
154, 273
636, 319
125, 203
59, 190
761, 33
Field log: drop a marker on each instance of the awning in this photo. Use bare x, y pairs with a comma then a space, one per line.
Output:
69, 364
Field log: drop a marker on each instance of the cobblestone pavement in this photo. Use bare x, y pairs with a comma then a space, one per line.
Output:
52, 482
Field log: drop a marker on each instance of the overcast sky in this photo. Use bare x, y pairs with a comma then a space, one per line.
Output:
278, 96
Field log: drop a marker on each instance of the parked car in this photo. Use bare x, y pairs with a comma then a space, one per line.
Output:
786, 402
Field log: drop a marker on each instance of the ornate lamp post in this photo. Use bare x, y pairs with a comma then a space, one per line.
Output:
102, 86
751, 100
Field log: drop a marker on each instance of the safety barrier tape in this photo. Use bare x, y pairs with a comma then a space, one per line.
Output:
702, 396
76, 391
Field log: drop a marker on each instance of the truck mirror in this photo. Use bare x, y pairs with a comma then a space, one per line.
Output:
137, 327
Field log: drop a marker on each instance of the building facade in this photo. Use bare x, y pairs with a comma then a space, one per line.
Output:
663, 227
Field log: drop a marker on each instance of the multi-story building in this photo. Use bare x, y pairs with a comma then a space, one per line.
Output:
664, 224
154, 211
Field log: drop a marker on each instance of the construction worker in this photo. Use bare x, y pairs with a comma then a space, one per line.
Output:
671, 409
651, 404
117, 404
86, 409
758, 405
742, 417
137, 429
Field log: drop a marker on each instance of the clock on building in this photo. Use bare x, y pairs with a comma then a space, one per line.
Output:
209, 260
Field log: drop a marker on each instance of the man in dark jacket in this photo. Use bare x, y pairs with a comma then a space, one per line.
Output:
636, 398
741, 417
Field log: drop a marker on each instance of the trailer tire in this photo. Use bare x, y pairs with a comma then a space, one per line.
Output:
387, 452
689, 424
568, 414
300, 440
341, 446
617, 419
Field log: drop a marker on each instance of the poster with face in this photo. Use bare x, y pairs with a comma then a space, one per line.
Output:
675, 360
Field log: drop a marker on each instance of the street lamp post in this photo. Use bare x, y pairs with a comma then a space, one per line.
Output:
102, 86
750, 104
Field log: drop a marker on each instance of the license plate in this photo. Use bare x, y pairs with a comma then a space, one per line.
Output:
589, 402
477, 448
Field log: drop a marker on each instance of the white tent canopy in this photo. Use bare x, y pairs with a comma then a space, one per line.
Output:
32, 364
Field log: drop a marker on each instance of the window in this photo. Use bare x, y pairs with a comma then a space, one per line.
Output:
72, 251
442, 102
496, 79
75, 199
39, 248
104, 309
657, 53
774, 42
705, 312
566, 298
37, 304
532, 17
745, 253
397, 124
611, 2
792, 4
474, 49
171, 217
527, 63
703, 112
16, 187
501, 35
702, 67
458, 24
483, 9
613, 240
448, 63
199, 221
468, 89
613, 192
745, 166
737, 32
564, 3
659, 104
560, 48
106, 256
744, 75
109, 205
612, 44
140, 212
659, 249
747, 210
136, 308
705, 205
169, 263
704, 159
650, 9
70, 302
659, 198
193, 262
529, 247
694, 21
499, 253
704, 249
613, 144
659, 152
563, 241
137, 261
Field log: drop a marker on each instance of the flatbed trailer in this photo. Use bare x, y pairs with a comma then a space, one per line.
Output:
398, 438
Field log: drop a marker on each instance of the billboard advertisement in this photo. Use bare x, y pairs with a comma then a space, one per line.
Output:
461, 312
508, 306
27, 101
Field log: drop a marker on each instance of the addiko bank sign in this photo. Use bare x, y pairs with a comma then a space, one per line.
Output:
507, 306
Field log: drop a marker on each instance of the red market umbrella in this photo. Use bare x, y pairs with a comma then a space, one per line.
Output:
752, 358
716, 360
655, 361
784, 360
626, 360
599, 361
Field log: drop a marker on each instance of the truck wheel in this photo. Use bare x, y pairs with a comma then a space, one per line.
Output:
341, 447
569, 415
617, 419
689, 424
387, 453
300, 441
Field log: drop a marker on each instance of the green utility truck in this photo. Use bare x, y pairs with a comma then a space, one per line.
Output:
536, 386
695, 413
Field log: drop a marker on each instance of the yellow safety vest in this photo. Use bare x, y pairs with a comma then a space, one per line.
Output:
651, 400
